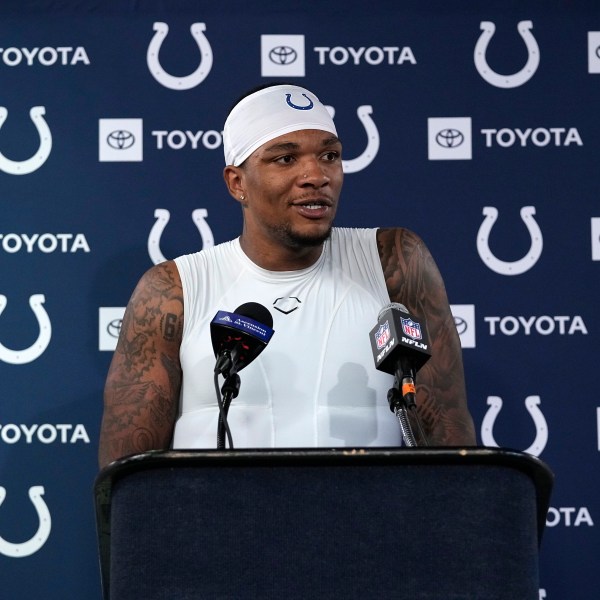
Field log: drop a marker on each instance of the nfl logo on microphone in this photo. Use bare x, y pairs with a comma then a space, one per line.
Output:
411, 329
382, 335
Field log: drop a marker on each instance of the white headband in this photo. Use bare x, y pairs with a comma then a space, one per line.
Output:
269, 113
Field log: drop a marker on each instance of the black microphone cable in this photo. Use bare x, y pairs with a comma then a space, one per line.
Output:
230, 390
223, 424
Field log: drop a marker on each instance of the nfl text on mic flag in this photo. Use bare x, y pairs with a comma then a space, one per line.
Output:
399, 341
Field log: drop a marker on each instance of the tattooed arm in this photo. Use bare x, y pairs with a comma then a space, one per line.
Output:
413, 279
141, 396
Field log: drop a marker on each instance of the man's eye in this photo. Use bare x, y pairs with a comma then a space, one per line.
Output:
331, 156
286, 160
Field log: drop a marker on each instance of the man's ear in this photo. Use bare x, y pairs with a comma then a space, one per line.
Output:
234, 180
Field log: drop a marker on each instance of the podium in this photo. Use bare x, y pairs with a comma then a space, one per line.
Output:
434, 524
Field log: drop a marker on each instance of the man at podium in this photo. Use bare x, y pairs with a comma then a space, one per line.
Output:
322, 289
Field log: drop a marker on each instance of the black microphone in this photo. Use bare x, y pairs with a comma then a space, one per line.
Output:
239, 337
401, 347
399, 341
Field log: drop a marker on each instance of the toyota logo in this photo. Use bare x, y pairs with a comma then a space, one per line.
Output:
449, 138
114, 328
120, 139
283, 55
461, 325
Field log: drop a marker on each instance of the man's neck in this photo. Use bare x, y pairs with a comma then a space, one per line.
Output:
281, 258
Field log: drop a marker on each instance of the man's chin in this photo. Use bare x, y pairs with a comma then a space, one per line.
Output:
308, 240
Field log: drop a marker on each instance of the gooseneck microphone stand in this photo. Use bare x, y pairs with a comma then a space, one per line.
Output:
230, 390
401, 398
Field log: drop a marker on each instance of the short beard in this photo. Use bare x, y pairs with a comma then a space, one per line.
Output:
293, 239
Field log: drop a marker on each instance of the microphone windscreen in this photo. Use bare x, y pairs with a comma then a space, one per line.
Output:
395, 305
255, 311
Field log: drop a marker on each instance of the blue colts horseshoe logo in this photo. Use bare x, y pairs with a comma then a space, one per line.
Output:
507, 81
163, 216
20, 550
296, 106
191, 80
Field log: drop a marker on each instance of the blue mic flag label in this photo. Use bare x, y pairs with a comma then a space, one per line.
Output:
244, 324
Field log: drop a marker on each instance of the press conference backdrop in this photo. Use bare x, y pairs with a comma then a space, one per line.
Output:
475, 124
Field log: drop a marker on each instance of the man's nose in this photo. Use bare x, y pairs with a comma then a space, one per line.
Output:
313, 173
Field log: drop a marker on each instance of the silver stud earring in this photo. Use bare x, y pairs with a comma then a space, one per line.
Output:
242, 197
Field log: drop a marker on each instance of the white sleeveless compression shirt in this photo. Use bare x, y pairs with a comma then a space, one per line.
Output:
315, 384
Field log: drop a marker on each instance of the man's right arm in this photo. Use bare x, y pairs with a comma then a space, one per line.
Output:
141, 395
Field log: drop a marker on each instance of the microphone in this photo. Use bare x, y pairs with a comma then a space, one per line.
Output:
399, 341
239, 337
401, 347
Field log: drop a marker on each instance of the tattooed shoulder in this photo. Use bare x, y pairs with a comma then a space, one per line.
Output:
157, 303
398, 248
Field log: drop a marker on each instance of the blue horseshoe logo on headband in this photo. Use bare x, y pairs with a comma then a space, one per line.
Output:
290, 103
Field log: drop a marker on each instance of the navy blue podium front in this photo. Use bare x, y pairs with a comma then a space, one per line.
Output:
336, 524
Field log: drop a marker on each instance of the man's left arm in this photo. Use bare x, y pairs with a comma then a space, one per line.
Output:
413, 279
